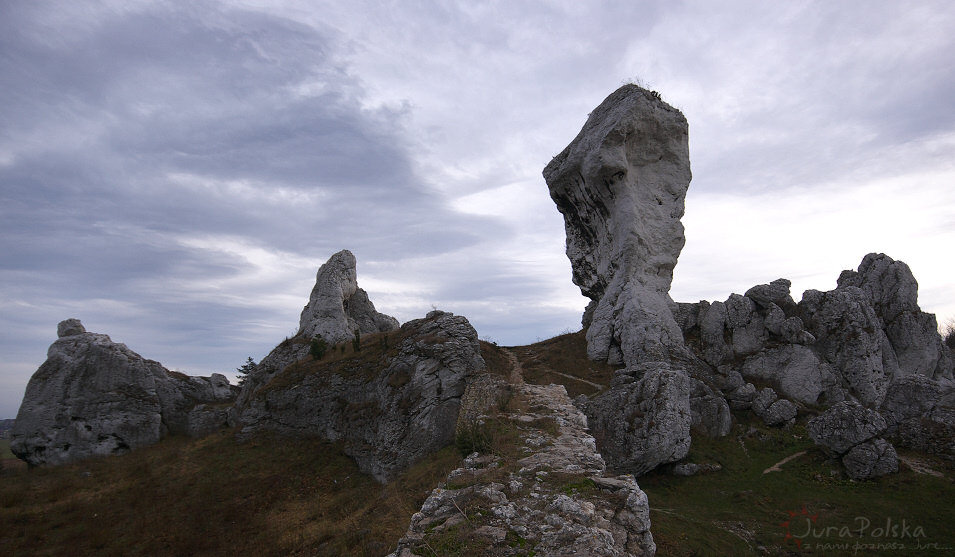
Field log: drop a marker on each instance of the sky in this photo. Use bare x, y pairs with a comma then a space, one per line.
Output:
174, 173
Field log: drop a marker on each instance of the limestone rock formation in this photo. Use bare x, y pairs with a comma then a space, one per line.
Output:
892, 291
95, 397
390, 407
528, 502
337, 307
644, 420
620, 186
850, 342
851, 432
920, 414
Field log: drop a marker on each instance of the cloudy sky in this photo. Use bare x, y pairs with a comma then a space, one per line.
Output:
173, 174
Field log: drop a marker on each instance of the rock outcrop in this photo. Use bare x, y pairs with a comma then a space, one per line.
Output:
644, 420
850, 342
920, 414
390, 405
621, 185
337, 308
95, 397
850, 432
557, 499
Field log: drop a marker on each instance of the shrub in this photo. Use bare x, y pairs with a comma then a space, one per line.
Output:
356, 342
948, 334
318, 348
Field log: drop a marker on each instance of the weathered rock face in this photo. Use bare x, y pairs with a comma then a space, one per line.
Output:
850, 432
853, 341
620, 186
95, 397
532, 501
337, 308
892, 291
644, 420
920, 414
390, 412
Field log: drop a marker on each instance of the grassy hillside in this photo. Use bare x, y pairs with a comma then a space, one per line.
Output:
276, 496
5, 449
213, 497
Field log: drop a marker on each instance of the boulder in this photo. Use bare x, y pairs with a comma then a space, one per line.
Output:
850, 432
779, 413
795, 372
337, 308
763, 400
775, 293
94, 397
389, 409
621, 185
871, 459
844, 426
644, 422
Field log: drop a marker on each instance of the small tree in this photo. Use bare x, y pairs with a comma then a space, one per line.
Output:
318, 348
245, 369
948, 333
356, 342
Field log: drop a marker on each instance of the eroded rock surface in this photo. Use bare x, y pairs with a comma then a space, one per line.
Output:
852, 433
389, 408
644, 420
95, 397
556, 500
850, 342
920, 414
621, 185
337, 307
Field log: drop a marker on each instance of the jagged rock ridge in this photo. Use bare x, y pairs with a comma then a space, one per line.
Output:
400, 407
526, 501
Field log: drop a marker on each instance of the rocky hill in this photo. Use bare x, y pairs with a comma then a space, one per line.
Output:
858, 372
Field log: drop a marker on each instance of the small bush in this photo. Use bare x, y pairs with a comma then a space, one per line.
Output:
356, 342
948, 334
318, 348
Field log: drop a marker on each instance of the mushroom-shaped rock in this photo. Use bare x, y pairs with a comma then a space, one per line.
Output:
621, 185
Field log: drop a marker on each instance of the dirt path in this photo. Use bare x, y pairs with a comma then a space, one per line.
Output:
516, 375
776, 467
548, 369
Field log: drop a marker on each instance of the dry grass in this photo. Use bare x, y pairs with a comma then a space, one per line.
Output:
271, 496
563, 360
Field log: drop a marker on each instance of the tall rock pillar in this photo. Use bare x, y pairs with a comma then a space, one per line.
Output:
621, 186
